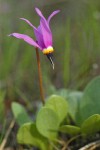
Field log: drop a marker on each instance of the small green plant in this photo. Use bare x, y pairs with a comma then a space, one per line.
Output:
53, 117
66, 112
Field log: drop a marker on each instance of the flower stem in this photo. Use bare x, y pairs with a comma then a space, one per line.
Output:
40, 77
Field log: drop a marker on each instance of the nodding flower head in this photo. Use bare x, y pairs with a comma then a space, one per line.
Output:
42, 33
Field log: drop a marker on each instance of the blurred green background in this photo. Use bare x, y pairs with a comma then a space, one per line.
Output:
76, 40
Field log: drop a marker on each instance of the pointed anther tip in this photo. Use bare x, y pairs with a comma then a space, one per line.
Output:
50, 57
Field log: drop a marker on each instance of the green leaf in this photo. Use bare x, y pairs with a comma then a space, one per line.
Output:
59, 105
91, 125
47, 122
90, 103
74, 99
69, 129
29, 135
20, 113
63, 93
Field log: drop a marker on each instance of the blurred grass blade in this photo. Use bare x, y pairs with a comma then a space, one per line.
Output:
66, 56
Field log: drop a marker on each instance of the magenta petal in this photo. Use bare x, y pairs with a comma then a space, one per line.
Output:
45, 29
53, 14
39, 38
27, 21
40, 13
47, 35
26, 38
43, 18
38, 35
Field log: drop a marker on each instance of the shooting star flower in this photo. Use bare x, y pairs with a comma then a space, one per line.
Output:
42, 33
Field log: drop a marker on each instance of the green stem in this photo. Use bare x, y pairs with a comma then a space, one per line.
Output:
40, 77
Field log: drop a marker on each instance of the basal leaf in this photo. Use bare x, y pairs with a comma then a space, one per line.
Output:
91, 125
74, 100
69, 129
20, 113
29, 135
59, 105
90, 103
63, 93
47, 122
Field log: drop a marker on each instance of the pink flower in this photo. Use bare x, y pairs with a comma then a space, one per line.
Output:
42, 33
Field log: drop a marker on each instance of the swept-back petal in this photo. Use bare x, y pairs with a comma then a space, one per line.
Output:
26, 38
53, 14
27, 21
37, 32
